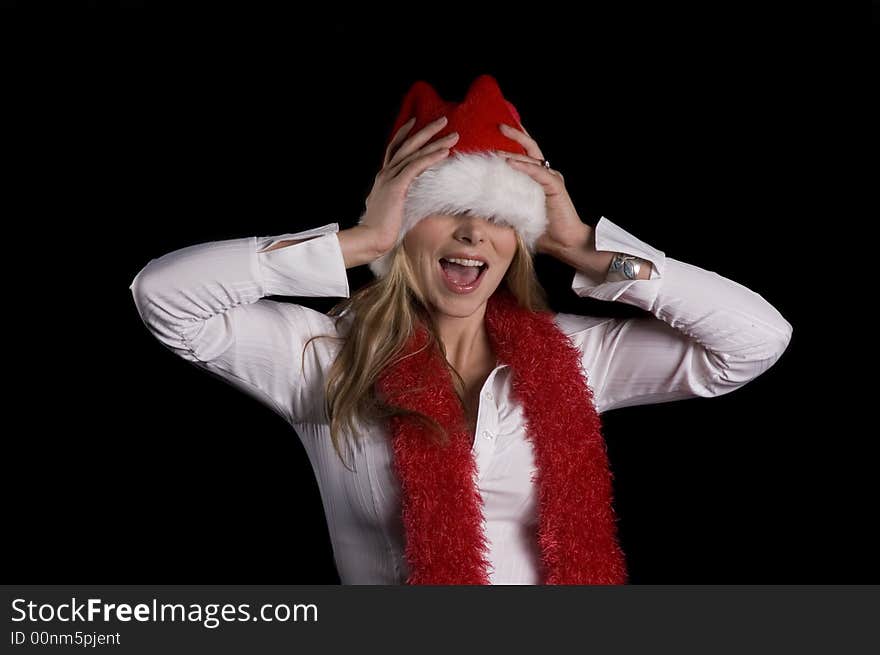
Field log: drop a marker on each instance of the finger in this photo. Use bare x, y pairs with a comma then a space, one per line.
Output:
550, 180
446, 142
527, 159
440, 144
418, 139
399, 136
518, 156
420, 164
525, 140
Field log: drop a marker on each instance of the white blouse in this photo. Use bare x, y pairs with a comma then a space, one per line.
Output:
707, 337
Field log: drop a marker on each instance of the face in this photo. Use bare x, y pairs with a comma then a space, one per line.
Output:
448, 286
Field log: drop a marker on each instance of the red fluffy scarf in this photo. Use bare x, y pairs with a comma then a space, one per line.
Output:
442, 507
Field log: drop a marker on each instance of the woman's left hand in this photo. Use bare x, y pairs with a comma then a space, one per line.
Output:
565, 229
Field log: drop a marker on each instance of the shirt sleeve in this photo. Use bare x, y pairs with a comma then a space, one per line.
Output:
707, 335
206, 303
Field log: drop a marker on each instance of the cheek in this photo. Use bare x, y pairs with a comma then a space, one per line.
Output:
427, 268
508, 250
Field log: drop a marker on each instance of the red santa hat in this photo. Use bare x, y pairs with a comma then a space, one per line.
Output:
472, 179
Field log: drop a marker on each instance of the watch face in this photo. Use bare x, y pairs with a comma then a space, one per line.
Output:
625, 266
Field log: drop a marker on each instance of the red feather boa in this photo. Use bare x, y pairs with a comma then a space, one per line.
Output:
441, 505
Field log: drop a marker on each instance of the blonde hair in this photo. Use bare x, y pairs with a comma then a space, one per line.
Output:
384, 315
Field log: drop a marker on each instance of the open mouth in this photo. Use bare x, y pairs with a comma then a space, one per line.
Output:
460, 278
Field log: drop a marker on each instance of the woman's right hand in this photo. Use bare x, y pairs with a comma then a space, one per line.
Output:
405, 159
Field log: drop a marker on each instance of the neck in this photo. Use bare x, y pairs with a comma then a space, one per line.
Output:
465, 338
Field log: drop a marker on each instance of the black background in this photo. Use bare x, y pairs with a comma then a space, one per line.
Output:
714, 136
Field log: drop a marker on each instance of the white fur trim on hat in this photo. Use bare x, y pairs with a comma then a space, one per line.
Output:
479, 183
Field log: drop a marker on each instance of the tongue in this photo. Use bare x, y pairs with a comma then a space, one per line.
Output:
460, 274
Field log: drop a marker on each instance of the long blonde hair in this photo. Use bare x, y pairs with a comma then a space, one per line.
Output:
384, 315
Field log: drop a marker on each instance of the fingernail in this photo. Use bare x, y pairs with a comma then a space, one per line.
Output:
442, 119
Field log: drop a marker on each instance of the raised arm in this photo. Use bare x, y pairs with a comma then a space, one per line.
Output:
206, 304
707, 335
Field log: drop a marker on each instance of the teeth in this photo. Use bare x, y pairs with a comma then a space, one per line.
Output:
464, 262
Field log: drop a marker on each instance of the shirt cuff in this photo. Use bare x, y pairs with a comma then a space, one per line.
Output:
312, 268
613, 238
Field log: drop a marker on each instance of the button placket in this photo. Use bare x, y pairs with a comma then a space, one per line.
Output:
489, 423
490, 431
486, 428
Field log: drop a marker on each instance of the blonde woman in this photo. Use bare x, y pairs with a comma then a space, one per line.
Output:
451, 418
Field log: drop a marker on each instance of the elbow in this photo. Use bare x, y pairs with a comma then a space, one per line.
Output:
150, 290
140, 289
772, 354
172, 314
785, 330
145, 288
775, 348
736, 370
157, 285
786, 336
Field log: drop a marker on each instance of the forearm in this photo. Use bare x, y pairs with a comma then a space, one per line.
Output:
357, 243
739, 332
583, 256
180, 291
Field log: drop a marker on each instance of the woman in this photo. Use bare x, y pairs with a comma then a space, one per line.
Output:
469, 410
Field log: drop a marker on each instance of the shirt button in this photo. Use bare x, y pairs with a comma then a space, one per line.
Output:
488, 434
489, 396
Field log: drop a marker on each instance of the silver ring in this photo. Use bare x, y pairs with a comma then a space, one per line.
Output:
546, 164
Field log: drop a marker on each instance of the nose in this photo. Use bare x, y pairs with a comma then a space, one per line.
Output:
471, 229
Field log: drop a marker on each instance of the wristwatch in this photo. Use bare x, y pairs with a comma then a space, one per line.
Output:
624, 267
